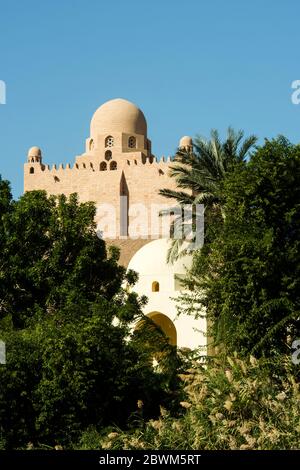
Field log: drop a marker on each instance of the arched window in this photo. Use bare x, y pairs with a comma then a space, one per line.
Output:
31, 171
108, 155
91, 144
155, 286
113, 165
109, 141
103, 166
132, 142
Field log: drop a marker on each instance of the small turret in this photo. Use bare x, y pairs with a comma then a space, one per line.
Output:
186, 143
34, 155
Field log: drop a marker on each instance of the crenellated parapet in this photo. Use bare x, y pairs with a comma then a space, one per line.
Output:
36, 167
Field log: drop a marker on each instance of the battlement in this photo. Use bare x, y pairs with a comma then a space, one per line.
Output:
102, 166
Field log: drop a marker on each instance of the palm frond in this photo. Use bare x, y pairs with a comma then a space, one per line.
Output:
199, 174
246, 147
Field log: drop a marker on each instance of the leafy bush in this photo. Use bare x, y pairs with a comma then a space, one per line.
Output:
72, 360
63, 375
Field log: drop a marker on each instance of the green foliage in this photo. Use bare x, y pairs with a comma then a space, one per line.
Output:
5, 197
230, 405
200, 175
66, 373
72, 360
76, 373
248, 274
51, 256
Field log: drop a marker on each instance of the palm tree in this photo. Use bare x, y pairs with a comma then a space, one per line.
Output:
199, 175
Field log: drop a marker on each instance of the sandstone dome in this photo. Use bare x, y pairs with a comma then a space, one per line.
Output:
116, 116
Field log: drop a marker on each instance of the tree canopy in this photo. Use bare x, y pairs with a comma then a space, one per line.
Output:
247, 276
66, 318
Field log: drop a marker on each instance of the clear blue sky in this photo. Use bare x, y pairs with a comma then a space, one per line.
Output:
190, 65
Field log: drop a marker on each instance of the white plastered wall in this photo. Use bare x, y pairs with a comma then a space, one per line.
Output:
150, 263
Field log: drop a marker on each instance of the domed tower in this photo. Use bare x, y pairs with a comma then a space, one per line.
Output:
34, 162
186, 143
118, 127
